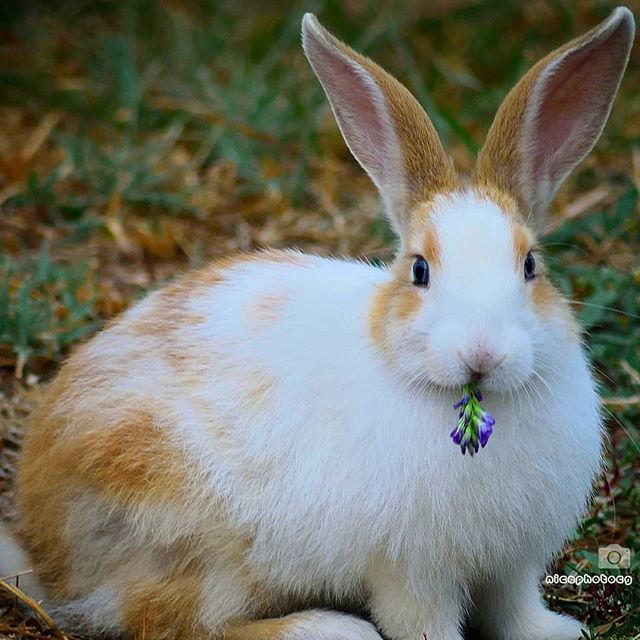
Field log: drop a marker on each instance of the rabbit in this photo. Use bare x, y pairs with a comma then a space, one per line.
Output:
261, 448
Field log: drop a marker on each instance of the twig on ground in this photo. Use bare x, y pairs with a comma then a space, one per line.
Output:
35, 607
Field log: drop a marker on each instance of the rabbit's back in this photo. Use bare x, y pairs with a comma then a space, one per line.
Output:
150, 451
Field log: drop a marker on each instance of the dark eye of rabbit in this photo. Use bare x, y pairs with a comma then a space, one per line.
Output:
529, 266
420, 272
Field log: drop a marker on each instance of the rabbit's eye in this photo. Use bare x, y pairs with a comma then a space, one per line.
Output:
420, 272
529, 266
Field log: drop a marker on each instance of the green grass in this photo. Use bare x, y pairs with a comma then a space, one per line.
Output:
46, 311
173, 132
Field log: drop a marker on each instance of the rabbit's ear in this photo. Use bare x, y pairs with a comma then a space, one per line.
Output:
555, 114
384, 126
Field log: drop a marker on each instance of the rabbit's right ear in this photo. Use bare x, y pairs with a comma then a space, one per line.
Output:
552, 118
383, 125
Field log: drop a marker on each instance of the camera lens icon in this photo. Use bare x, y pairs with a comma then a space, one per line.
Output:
614, 557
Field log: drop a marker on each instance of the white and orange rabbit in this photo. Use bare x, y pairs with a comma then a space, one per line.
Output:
268, 438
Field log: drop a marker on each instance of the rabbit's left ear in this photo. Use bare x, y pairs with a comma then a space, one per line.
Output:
383, 125
555, 114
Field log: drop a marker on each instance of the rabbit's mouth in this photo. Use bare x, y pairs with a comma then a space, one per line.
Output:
500, 380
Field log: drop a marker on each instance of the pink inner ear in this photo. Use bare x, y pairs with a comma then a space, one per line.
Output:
360, 114
359, 107
574, 106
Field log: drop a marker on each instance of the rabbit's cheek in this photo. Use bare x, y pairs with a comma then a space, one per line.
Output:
394, 309
551, 308
407, 305
544, 297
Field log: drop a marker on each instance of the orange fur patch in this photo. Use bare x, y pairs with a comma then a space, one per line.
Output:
506, 202
164, 609
378, 314
522, 243
407, 303
43, 500
431, 245
394, 302
134, 461
544, 295
268, 309
47, 474
549, 303
422, 238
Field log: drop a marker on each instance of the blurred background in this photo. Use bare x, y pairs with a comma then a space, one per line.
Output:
138, 139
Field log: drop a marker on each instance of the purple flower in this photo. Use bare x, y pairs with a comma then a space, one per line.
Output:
475, 425
463, 401
485, 433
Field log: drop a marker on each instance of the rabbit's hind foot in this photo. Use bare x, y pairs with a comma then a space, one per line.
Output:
315, 624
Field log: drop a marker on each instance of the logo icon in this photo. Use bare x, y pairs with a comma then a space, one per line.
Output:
614, 556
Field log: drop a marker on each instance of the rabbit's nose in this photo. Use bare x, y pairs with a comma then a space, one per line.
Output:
481, 361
